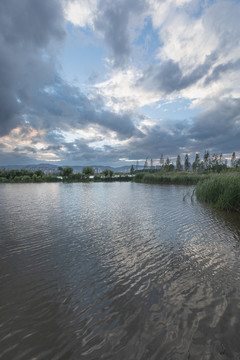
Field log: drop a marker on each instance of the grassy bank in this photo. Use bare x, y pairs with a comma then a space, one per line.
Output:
176, 178
222, 191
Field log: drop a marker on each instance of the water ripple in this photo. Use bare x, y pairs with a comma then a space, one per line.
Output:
123, 271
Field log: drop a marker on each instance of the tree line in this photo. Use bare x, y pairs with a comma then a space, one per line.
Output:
63, 174
214, 163
25, 176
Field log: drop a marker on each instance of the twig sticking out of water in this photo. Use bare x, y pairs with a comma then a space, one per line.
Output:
193, 194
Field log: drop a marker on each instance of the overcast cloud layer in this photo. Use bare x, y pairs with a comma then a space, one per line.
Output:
87, 82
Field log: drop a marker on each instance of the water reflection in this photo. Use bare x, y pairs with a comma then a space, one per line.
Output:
116, 270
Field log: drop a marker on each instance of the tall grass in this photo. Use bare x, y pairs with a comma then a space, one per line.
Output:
223, 191
177, 178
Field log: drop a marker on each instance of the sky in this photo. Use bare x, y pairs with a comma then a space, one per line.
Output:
100, 82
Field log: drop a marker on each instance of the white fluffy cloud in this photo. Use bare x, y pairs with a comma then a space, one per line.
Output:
196, 35
81, 12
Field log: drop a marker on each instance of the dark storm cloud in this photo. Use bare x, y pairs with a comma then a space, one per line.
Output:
30, 22
168, 77
64, 106
80, 152
113, 22
53, 148
160, 139
23, 149
121, 124
30, 90
216, 129
219, 125
26, 30
222, 69
16, 158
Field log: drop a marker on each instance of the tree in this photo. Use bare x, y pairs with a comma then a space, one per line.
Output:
151, 166
39, 172
214, 162
201, 166
132, 170
206, 160
88, 170
137, 166
178, 163
186, 163
161, 161
36, 178
167, 163
108, 173
77, 177
67, 171
196, 163
26, 178
221, 159
233, 160
105, 172
145, 164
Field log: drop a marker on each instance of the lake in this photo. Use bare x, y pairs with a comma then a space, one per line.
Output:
116, 271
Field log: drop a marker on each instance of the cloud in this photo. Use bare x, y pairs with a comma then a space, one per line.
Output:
163, 138
14, 158
218, 127
25, 149
27, 31
115, 21
221, 70
64, 107
168, 76
194, 60
193, 55
81, 12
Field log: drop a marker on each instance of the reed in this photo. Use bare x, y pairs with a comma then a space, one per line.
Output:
222, 191
176, 178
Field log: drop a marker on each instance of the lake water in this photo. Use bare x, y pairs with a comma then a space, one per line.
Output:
116, 271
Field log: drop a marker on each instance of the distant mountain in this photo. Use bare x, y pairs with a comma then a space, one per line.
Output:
46, 168
50, 168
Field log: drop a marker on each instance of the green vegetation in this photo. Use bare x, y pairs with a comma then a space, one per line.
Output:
88, 171
26, 176
64, 174
216, 182
186, 163
171, 177
222, 191
66, 171
108, 173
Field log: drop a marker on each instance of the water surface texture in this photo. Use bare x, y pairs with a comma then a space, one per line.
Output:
116, 271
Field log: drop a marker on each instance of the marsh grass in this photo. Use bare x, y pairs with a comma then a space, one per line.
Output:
222, 191
176, 178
